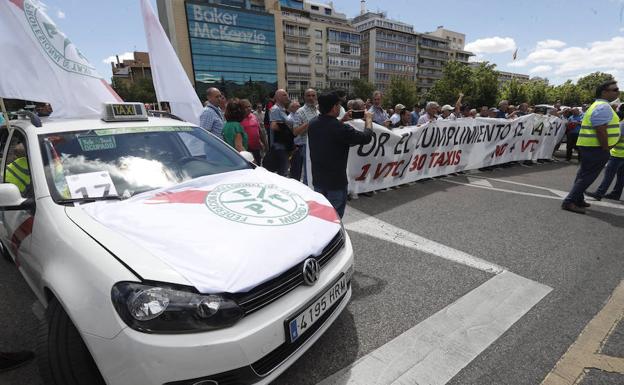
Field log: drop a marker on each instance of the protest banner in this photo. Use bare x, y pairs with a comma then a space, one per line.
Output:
443, 147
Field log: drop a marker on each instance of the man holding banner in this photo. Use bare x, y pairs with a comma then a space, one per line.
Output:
600, 131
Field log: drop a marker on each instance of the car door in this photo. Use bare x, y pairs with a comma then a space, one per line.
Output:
17, 225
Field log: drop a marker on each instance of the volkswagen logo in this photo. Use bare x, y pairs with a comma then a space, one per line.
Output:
311, 271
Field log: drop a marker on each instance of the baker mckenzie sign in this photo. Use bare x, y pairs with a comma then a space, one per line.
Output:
208, 22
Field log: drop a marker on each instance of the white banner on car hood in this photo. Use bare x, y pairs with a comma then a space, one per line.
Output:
228, 232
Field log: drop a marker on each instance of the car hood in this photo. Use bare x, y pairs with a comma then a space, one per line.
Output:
220, 233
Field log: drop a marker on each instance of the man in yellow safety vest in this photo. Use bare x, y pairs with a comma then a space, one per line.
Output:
600, 131
615, 166
17, 172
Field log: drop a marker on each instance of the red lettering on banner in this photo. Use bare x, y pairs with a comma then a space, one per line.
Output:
457, 157
365, 169
500, 150
527, 143
396, 167
418, 163
434, 155
381, 169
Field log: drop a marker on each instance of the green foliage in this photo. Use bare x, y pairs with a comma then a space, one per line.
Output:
537, 91
456, 78
141, 90
588, 84
362, 88
401, 91
515, 92
252, 91
484, 85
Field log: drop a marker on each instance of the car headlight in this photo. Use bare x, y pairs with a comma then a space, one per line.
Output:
161, 309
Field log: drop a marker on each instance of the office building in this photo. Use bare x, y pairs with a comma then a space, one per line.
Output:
129, 71
389, 48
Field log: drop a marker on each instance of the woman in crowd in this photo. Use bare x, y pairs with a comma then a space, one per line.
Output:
251, 125
233, 132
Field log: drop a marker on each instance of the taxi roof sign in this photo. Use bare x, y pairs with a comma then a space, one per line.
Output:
124, 112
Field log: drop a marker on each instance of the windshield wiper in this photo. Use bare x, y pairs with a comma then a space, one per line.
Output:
92, 199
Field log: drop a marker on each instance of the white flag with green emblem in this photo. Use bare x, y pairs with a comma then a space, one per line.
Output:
40, 63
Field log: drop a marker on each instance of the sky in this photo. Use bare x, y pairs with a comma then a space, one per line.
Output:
556, 39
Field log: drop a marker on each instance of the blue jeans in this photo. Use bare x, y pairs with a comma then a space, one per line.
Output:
593, 160
615, 166
338, 198
298, 163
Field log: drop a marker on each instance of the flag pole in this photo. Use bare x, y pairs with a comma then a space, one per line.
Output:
4, 111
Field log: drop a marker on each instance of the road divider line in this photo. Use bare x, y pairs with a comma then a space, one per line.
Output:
360, 222
560, 193
593, 202
435, 350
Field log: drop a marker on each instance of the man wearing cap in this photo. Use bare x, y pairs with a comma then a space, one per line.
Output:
600, 131
447, 113
396, 117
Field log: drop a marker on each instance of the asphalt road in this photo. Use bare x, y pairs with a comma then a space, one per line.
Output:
510, 217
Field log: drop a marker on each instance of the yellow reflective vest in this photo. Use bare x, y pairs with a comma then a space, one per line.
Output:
618, 150
18, 174
587, 136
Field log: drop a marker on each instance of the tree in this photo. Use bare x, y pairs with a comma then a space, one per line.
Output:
514, 92
400, 91
569, 94
362, 88
456, 78
588, 84
537, 92
484, 85
253, 91
141, 90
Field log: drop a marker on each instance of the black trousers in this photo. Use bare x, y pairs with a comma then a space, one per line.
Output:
592, 162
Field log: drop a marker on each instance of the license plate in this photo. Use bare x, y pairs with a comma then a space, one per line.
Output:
311, 314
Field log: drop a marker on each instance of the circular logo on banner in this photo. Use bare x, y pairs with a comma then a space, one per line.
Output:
257, 204
55, 44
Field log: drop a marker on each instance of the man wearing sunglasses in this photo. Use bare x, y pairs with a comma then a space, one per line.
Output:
600, 131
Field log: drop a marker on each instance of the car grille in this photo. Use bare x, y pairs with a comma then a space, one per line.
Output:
272, 290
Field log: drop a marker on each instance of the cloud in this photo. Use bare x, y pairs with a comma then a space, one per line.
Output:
550, 43
476, 58
122, 57
60, 14
568, 62
491, 45
542, 68
622, 29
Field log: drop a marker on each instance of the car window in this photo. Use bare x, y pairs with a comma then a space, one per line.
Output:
16, 169
127, 161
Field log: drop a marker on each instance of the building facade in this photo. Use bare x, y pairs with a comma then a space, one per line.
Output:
129, 71
389, 49
227, 44
321, 49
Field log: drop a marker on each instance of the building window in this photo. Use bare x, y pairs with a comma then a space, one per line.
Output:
318, 47
319, 60
318, 33
319, 84
315, 7
328, 11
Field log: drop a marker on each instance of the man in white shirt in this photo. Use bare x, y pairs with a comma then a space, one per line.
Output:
396, 117
431, 113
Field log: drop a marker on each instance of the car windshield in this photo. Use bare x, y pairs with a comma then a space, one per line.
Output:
122, 162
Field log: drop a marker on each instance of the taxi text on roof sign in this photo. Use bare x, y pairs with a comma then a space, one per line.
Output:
123, 112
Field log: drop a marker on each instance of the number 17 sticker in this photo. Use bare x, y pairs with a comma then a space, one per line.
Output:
91, 185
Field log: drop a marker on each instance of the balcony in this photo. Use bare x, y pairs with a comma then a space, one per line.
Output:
296, 19
296, 36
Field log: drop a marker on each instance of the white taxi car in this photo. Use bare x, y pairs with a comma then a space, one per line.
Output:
162, 256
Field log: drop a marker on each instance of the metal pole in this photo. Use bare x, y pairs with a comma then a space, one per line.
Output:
4, 111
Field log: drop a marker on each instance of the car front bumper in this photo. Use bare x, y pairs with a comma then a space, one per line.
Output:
231, 355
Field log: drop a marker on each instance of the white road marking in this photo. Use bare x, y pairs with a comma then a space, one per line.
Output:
559, 193
435, 350
593, 202
359, 222
479, 181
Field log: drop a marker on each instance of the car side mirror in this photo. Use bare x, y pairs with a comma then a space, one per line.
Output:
248, 156
11, 199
